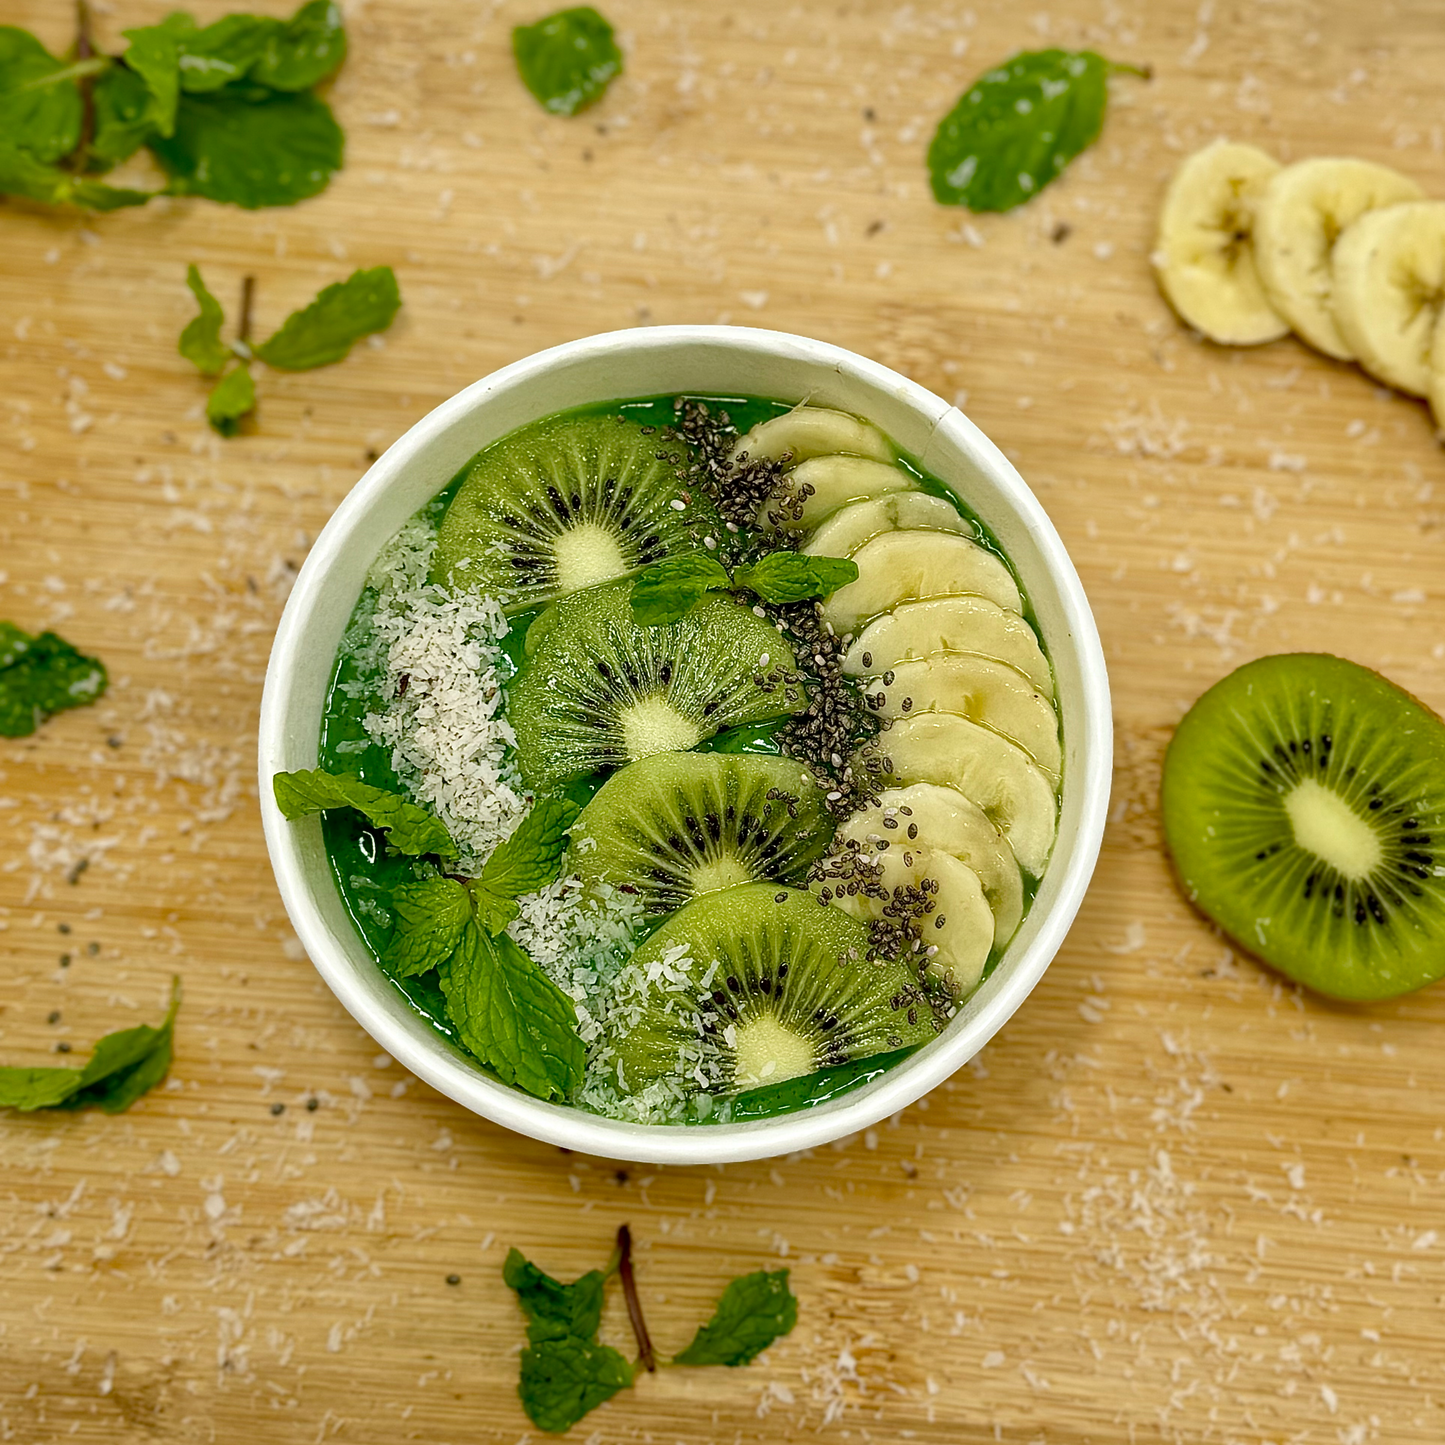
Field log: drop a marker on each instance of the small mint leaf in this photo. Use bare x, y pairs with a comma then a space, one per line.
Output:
201, 342
564, 1379
409, 829
341, 315
532, 857
430, 916
755, 1309
666, 591
567, 59
791, 577
233, 397
553, 1309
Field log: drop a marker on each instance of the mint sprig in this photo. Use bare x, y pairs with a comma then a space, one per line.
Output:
566, 1372
123, 1066
668, 590
755, 1309
201, 342
1017, 126
40, 676
409, 829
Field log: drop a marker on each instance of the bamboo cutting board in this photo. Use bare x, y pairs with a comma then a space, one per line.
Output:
1174, 1200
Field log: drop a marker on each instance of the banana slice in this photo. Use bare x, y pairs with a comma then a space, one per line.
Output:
1205, 257
821, 485
906, 566
977, 688
945, 625
945, 821
1304, 209
959, 926
849, 528
813, 431
1389, 287
1016, 796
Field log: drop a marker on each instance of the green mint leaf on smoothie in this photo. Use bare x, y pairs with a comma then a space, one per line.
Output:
22, 175
430, 917
44, 675
233, 397
122, 1067
512, 1016
668, 590
341, 315
563, 1379
555, 1310
567, 59
40, 106
306, 49
532, 857
409, 829
494, 911
755, 1310
251, 146
201, 340
1017, 127
791, 577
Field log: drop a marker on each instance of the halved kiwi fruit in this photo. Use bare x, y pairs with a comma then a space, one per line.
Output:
676, 825
599, 690
567, 503
758, 984
1304, 805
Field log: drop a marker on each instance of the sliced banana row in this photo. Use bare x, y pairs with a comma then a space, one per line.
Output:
1344, 252
943, 652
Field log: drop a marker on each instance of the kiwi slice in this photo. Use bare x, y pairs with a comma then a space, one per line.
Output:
564, 504
599, 690
1304, 806
758, 984
675, 825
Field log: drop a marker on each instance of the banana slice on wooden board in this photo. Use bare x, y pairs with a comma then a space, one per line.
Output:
1205, 256
942, 819
907, 566
1389, 295
850, 527
821, 485
1015, 795
1305, 208
977, 688
959, 927
813, 431
942, 626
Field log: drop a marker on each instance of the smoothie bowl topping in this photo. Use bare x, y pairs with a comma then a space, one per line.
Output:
688, 760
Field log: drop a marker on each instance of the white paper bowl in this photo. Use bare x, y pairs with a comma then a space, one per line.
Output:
665, 360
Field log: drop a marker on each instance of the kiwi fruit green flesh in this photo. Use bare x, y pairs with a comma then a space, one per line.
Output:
757, 984
1304, 806
564, 504
599, 690
676, 825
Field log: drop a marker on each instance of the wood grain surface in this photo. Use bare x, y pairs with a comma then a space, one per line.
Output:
1175, 1200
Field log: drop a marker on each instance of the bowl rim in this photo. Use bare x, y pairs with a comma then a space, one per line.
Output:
428, 1056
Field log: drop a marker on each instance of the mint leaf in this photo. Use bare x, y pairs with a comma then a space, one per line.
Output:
46, 675
430, 916
220, 53
410, 829
22, 175
341, 315
494, 910
231, 398
532, 857
123, 1066
251, 147
567, 59
307, 48
792, 577
512, 1016
755, 1310
154, 56
40, 108
563, 1379
668, 590
135, 100
555, 1310
201, 340
1017, 127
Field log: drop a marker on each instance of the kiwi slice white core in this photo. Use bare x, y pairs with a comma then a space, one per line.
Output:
724, 871
766, 1051
588, 554
1326, 825
652, 725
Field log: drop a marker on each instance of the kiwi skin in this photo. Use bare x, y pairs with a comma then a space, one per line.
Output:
1241, 751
